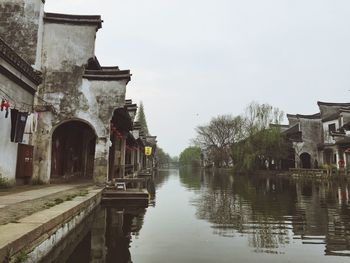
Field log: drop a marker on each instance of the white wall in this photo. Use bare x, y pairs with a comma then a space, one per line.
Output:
8, 149
65, 46
327, 137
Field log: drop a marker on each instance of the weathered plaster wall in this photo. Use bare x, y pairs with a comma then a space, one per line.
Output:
67, 46
19, 26
8, 153
42, 150
327, 110
345, 117
66, 51
103, 97
312, 136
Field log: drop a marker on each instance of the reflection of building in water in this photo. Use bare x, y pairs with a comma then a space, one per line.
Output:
323, 216
120, 224
106, 240
271, 211
241, 206
311, 215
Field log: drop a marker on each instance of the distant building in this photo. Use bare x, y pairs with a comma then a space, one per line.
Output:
322, 138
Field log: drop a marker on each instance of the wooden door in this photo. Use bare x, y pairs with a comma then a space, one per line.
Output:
24, 161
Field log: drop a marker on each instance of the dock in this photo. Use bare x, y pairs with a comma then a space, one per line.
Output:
145, 174
128, 197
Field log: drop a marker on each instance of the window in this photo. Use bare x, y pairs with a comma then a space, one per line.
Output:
331, 128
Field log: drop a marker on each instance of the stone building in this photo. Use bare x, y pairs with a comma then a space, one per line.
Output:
305, 132
322, 138
78, 99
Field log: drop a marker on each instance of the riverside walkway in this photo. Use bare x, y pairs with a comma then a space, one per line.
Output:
28, 216
16, 203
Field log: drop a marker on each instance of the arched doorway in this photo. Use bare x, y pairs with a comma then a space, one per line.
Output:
73, 150
305, 160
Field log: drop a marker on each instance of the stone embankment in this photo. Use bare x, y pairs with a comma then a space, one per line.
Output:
35, 221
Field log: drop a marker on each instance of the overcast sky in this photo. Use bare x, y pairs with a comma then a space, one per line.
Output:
192, 60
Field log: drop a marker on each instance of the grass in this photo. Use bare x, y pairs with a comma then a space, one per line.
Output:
83, 192
21, 257
58, 201
53, 203
49, 204
70, 197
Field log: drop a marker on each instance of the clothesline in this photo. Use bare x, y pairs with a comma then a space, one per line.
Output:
22, 106
16, 104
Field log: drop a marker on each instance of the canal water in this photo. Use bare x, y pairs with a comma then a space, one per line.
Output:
207, 217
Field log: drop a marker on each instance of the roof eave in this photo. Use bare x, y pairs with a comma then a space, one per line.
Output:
107, 77
74, 19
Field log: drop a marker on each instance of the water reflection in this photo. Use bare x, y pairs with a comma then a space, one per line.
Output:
121, 225
272, 211
218, 217
114, 228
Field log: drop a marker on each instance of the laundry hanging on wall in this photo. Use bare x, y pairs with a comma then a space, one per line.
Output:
18, 124
32, 123
5, 105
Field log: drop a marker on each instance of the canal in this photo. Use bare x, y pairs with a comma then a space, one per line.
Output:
217, 217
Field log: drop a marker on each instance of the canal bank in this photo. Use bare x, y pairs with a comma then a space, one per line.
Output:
31, 238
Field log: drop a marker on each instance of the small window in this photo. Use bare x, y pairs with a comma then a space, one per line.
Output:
331, 128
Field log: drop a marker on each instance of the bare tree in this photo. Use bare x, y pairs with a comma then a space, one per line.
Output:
218, 136
259, 116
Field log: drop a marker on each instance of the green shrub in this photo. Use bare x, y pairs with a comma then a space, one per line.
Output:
4, 183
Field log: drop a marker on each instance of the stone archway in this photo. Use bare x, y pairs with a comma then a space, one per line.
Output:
73, 150
305, 160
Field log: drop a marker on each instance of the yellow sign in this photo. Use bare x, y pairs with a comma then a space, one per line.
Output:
148, 151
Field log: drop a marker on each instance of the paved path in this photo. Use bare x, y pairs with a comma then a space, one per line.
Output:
14, 198
43, 229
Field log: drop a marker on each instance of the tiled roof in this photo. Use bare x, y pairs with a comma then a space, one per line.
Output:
346, 104
301, 116
108, 74
9, 55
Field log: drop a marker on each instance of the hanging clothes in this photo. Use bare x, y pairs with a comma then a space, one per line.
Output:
35, 121
5, 105
18, 124
28, 129
14, 114
32, 123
